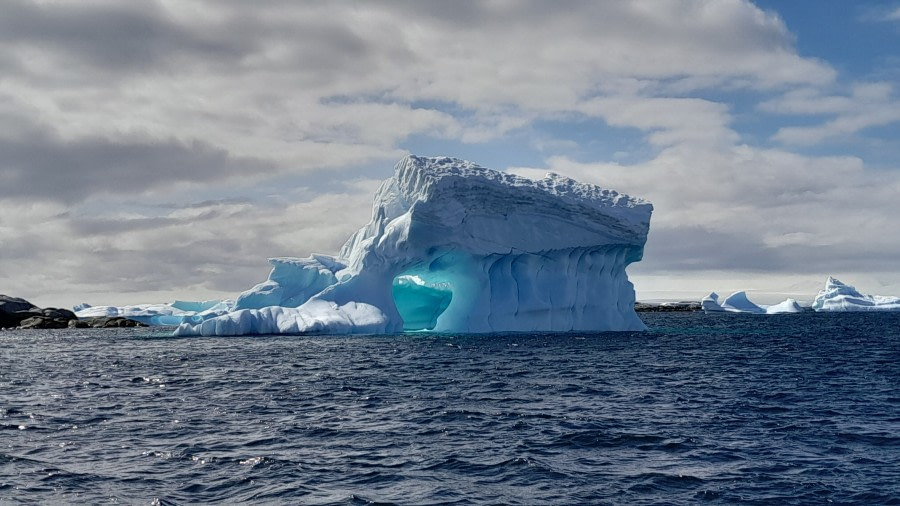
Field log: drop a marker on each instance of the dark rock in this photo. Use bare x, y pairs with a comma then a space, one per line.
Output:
105, 322
12, 320
44, 322
53, 312
17, 313
15, 304
667, 307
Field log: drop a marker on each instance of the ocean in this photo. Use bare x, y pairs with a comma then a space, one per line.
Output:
782, 409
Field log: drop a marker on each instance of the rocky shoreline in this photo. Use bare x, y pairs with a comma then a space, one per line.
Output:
667, 307
19, 314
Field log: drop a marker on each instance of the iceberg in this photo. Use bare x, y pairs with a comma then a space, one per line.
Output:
455, 247
710, 303
787, 306
837, 296
174, 313
738, 302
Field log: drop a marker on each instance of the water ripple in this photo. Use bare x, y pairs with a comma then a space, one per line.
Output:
727, 409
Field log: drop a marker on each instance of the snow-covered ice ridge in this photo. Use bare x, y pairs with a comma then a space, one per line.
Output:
455, 247
174, 313
836, 296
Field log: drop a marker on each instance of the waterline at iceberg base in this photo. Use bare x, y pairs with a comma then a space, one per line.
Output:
455, 247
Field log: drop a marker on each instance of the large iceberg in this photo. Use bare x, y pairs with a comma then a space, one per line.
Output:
455, 247
837, 296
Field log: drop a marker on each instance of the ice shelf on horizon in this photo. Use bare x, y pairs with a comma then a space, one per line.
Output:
174, 313
455, 247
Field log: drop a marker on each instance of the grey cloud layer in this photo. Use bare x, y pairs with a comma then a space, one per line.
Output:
115, 37
43, 166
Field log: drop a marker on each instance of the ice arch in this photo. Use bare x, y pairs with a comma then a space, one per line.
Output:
493, 252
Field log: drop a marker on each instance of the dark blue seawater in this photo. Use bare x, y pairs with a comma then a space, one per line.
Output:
787, 409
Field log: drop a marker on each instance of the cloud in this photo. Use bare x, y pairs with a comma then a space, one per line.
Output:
752, 210
880, 13
867, 105
670, 120
208, 250
258, 79
110, 37
40, 165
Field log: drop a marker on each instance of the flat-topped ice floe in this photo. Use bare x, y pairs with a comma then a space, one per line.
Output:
174, 313
455, 247
837, 296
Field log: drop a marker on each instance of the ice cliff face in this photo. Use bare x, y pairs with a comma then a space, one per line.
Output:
454, 247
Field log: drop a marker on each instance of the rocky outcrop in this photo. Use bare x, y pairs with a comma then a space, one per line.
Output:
13, 310
15, 304
18, 313
667, 307
105, 322
43, 322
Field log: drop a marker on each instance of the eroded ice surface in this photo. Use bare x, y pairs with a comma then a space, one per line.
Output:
837, 296
455, 247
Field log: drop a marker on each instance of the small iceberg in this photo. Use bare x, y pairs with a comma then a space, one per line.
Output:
175, 313
837, 296
738, 302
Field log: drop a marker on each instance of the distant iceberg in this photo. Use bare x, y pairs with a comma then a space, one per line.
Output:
837, 296
787, 306
455, 247
738, 302
175, 313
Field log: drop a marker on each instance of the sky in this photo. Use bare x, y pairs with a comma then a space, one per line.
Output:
164, 149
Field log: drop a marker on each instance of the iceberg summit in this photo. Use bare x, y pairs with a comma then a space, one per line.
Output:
455, 247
